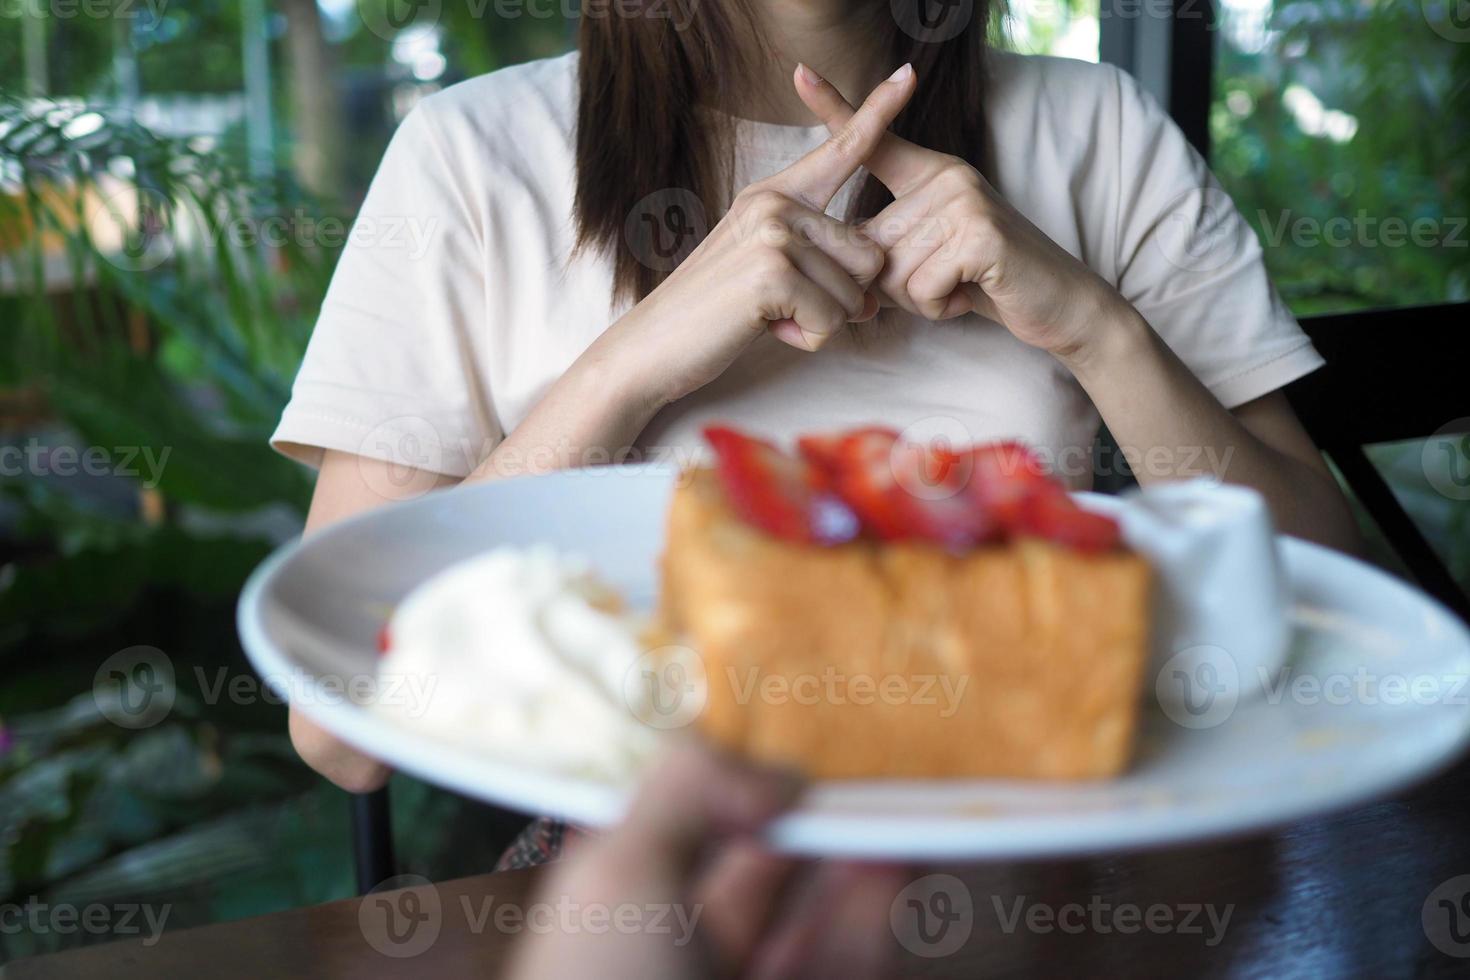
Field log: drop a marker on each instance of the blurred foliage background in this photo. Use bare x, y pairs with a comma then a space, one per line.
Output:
174, 183
1337, 123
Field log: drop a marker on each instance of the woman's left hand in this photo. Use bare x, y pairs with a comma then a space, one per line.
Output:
954, 246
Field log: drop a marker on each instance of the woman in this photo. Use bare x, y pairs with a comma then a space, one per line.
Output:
523, 291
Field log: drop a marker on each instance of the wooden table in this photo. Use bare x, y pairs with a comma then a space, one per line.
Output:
1339, 897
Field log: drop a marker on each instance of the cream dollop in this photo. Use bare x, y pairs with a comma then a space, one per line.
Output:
521, 652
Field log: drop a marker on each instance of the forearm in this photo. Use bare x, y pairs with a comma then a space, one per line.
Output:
594, 409
1170, 426
590, 416
348, 485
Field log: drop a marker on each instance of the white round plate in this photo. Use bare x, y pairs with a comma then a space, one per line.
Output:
1374, 698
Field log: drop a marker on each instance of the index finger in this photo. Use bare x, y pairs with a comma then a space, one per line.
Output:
817, 177
897, 163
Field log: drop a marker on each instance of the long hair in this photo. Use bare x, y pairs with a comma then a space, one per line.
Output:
643, 129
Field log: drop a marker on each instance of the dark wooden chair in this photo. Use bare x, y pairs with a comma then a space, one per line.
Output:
372, 840
1390, 375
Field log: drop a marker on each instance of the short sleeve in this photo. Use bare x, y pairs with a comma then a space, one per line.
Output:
388, 370
1190, 264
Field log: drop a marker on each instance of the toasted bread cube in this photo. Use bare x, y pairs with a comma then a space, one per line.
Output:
1019, 660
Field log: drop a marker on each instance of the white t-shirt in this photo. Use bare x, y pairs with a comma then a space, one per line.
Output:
457, 302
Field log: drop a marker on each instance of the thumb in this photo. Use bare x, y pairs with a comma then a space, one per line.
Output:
694, 797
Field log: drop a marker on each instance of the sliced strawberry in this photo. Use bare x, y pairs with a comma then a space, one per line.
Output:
858, 467
1058, 519
942, 464
779, 493
901, 489
932, 480
823, 451
1003, 476
384, 640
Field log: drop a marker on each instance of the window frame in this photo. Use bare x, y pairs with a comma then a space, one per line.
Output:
1169, 46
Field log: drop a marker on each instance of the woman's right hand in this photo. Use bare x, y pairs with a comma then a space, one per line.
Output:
775, 261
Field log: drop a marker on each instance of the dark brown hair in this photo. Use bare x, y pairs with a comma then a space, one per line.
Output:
648, 76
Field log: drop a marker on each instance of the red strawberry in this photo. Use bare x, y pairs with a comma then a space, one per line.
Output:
824, 451
1058, 519
1002, 477
932, 481
777, 492
858, 468
384, 640
901, 489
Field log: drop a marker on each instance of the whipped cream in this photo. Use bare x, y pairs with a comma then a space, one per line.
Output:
523, 653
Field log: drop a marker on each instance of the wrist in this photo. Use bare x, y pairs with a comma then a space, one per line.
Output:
590, 415
1118, 338
615, 373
